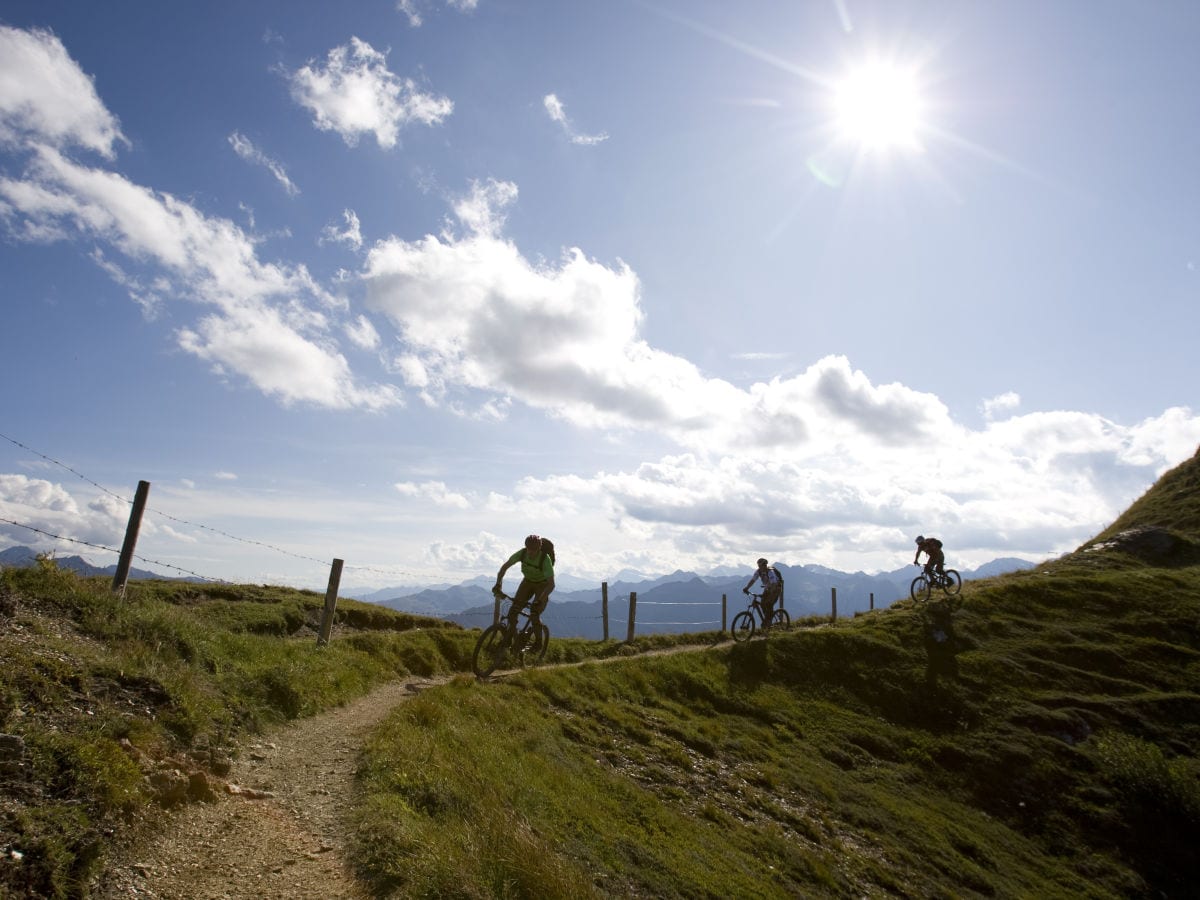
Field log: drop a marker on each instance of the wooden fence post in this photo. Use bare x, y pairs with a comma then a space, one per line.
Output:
604, 606
834, 603
872, 600
131, 536
632, 612
335, 579
723, 609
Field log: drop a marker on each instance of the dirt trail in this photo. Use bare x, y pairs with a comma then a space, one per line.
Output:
283, 837
285, 846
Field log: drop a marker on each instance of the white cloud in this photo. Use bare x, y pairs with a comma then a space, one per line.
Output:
225, 476
49, 508
474, 315
433, 492
412, 9
246, 149
1001, 404
558, 113
355, 94
262, 328
362, 333
45, 96
351, 235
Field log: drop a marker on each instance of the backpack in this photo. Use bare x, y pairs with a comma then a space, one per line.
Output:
779, 575
933, 544
547, 547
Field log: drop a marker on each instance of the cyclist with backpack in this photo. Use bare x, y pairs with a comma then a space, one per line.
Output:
772, 589
932, 548
537, 581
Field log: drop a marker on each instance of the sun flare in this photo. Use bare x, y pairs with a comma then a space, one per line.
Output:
878, 106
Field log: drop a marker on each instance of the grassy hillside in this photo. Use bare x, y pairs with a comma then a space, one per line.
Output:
103, 697
1038, 739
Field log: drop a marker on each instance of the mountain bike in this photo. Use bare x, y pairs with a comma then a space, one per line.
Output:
524, 643
923, 585
749, 619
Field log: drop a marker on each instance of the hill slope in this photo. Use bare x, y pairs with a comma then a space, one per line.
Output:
1038, 737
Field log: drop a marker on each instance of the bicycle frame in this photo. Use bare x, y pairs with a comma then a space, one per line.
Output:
518, 638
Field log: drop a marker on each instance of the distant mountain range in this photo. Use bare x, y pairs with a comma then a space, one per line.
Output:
681, 601
20, 557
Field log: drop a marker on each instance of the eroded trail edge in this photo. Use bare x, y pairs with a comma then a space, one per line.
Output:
281, 833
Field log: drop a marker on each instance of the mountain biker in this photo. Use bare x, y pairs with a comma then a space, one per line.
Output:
537, 582
932, 548
772, 587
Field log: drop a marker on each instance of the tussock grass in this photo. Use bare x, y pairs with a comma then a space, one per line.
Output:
97, 690
1038, 739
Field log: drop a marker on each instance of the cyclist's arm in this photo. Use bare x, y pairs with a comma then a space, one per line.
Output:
504, 568
746, 589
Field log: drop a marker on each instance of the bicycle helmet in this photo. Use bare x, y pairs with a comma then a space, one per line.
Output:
763, 561
920, 538
533, 542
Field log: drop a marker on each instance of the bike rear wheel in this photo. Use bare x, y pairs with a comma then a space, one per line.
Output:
489, 651
742, 626
953, 583
536, 641
920, 588
781, 620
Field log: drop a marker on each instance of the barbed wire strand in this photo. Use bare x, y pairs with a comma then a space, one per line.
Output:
149, 562
225, 534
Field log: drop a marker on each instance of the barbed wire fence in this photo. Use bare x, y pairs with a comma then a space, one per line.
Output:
177, 520
139, 506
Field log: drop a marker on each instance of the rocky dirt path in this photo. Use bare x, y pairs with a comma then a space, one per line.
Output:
280, 834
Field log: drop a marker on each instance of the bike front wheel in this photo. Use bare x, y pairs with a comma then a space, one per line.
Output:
952, 584
743, 626
781, 620
489, 651
920, 588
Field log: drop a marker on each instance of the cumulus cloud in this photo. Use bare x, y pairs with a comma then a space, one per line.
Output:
246, 149
45, 97
1001, 404
350, 234
412, 9
51, 510
362, 333
268, 323
558, 113
434, 492
473, 314
354, 94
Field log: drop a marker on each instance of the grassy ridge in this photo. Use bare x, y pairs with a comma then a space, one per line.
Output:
100, 692
1040, 738
1050, 752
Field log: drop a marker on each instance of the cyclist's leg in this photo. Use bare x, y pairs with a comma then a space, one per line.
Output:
525, 591
541, 598
938, 561
770, 595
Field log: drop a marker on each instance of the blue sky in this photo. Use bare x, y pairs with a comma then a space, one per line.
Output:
676, 283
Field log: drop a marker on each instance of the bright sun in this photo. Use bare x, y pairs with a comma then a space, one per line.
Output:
878, 106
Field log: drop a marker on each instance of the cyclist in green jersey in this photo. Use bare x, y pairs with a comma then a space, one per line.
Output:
537, 581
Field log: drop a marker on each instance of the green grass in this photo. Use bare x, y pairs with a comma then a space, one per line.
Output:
845, 761
99, 687
1040, 738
